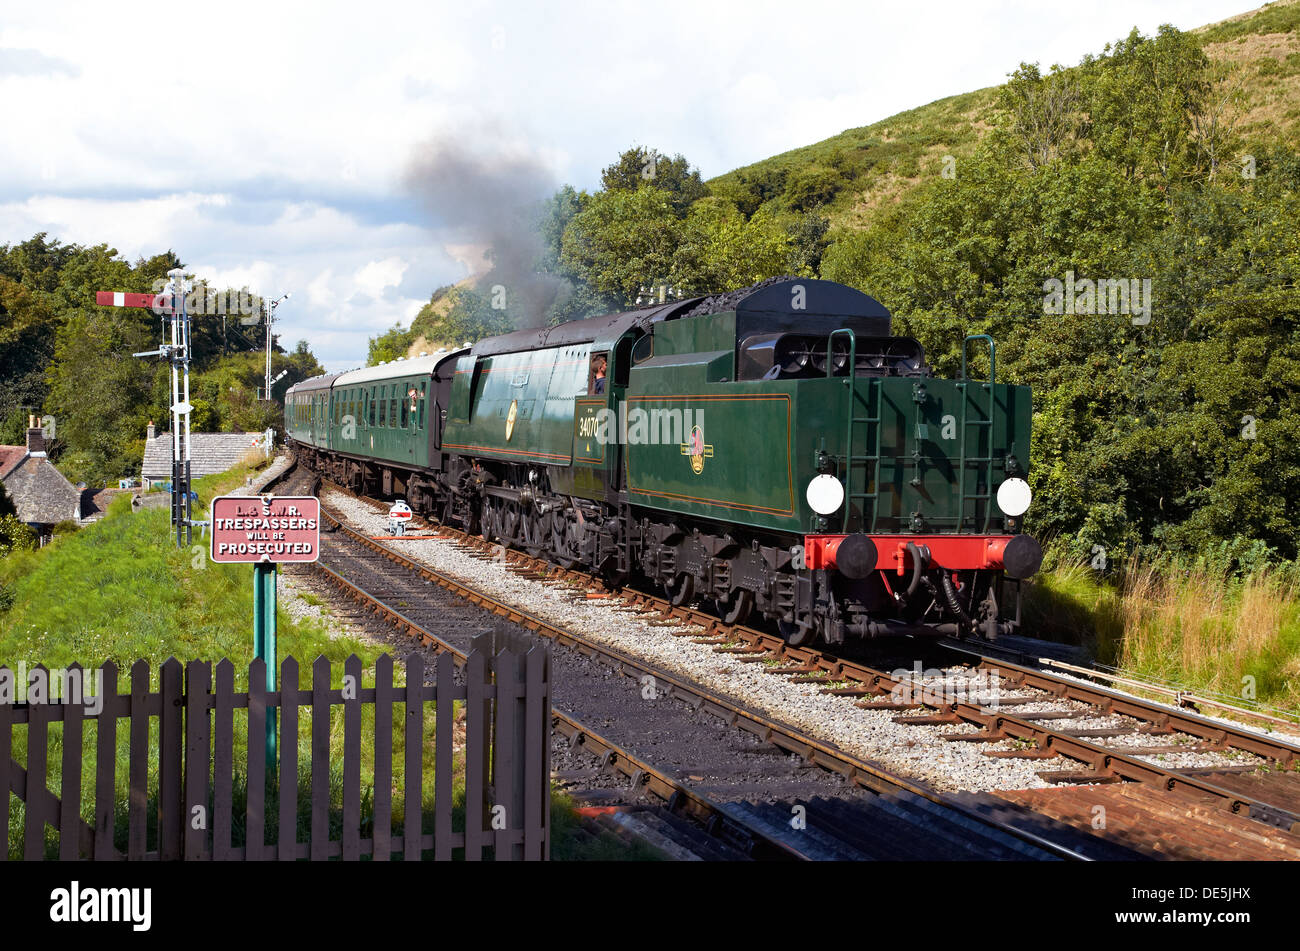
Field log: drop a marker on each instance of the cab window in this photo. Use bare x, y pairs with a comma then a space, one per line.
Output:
597, 377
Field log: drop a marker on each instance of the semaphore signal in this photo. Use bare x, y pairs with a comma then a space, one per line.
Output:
158, 303
171, 302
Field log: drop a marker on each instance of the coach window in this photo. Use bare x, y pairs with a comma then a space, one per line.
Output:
392, 407
420, 423
405, 418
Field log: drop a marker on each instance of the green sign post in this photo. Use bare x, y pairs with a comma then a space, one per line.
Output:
265, 530
264, 603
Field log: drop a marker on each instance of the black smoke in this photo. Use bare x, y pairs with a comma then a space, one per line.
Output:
484, 192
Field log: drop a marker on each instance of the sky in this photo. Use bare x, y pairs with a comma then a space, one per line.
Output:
271, 144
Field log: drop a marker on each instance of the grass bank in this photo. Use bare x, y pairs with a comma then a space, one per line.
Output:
119, 590
1187, 626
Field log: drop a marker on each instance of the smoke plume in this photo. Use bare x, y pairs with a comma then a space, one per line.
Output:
484, 196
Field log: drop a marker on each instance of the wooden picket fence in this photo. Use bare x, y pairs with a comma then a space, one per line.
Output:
189, 772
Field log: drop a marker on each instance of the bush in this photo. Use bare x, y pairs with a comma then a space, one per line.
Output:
15, 535
812, 188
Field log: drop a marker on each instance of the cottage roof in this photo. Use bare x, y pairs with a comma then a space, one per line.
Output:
41, 493
10, 456
210, 453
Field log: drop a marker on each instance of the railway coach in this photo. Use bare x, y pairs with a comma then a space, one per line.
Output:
775, 450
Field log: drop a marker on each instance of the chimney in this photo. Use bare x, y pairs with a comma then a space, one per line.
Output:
35, 435
149, 433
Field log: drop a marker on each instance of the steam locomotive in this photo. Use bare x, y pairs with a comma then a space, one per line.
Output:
775, 450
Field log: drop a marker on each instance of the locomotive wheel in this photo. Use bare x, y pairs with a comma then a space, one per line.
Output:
737, 607
793, 634
509, 523
488, 528
680, 588
563, 540
537, 530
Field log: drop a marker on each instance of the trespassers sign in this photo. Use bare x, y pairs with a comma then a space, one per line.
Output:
251, 528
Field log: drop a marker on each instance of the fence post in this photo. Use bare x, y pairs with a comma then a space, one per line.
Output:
223, 761
444, 734
382, 848
138, 803
74, 709
106, 763
255, 825
37, 752
198, 677
320, 759
171, 742
537, 773
352, 759
6, 747
288, 760
508, 742
477, 744
413, 773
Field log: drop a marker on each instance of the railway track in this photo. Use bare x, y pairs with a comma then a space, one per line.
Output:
760, 787
1021, 705
1043, 715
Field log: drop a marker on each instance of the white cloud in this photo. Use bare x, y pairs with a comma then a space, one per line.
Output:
378, 276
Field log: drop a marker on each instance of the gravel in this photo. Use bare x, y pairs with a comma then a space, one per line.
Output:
914, 751
271, 472
1285, 736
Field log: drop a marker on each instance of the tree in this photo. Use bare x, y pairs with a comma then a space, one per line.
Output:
1178, 435
622, 240
1044, 113
1141, 101
27, 330
14, 536
719, 250
392, 344
639, 167
458, 315
809, 239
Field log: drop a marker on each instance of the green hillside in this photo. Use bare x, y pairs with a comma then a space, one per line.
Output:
852, 175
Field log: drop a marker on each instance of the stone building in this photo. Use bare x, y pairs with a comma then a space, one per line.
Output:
210, 453
40, 492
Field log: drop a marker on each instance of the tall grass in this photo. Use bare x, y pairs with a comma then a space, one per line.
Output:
1187, 625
